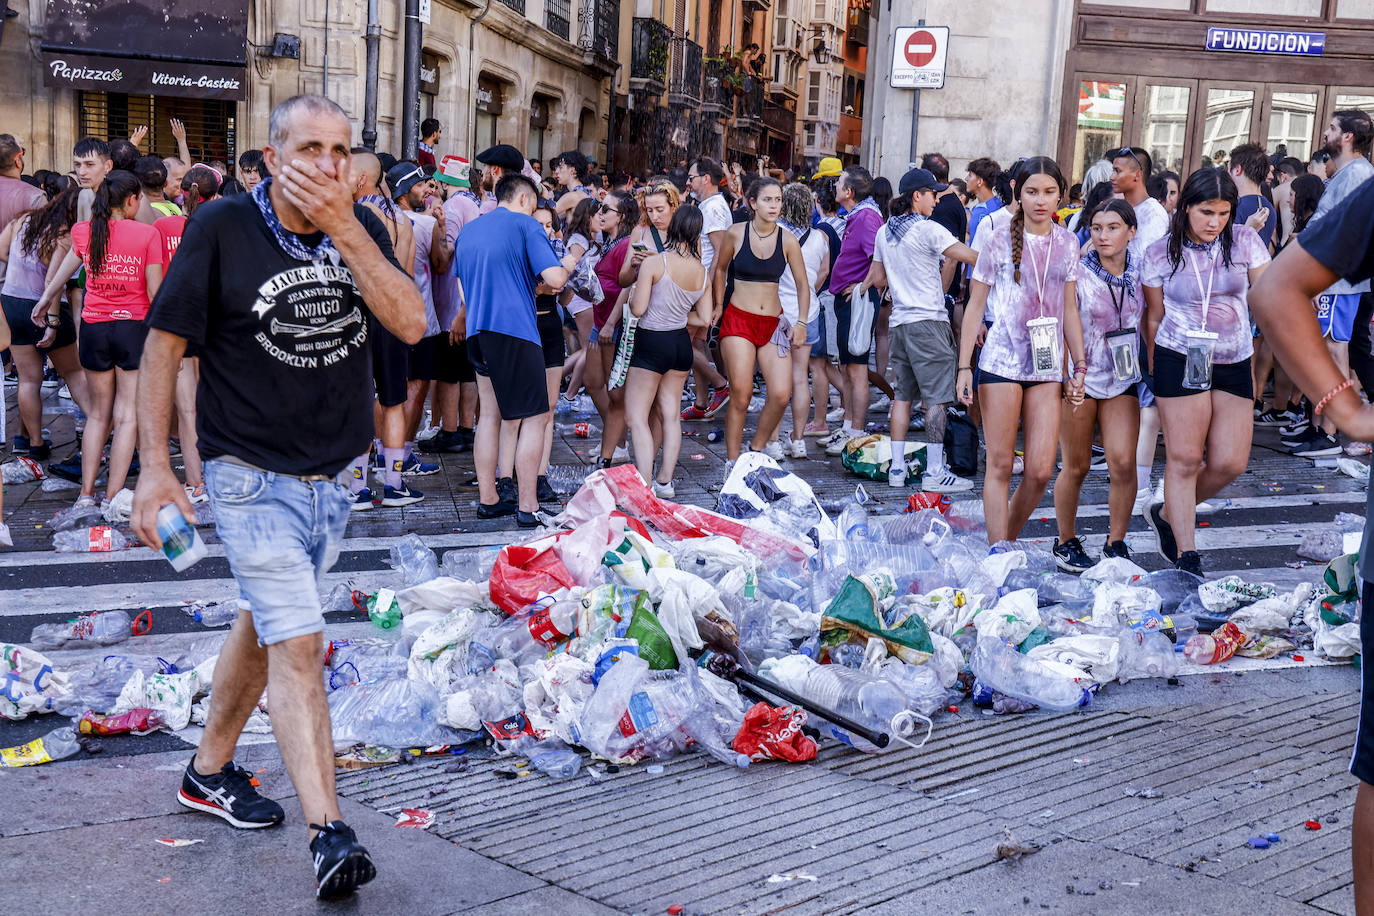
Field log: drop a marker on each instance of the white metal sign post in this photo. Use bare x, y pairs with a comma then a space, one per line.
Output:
918, 57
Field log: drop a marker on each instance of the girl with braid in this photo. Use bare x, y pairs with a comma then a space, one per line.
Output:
1033, 357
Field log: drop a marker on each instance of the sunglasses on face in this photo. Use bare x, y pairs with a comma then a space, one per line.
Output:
606, 209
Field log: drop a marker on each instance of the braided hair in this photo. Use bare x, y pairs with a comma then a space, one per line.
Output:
1203, 185
1022, 172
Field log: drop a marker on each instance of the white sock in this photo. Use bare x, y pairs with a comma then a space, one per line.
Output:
899, 456
1142, 478
850, 431
935, 457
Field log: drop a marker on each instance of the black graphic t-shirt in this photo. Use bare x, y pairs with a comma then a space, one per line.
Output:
285, 367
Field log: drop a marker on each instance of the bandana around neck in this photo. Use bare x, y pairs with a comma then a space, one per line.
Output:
1126, 281
899, 226
289, 242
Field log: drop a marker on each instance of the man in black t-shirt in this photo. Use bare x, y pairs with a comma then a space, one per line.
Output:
1339, 244
274, 289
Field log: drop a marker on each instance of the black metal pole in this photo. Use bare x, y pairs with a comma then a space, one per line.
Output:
373, 40
753, 684
410, 82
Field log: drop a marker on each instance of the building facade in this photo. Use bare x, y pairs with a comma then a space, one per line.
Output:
533, 73
822, 81
1186, 79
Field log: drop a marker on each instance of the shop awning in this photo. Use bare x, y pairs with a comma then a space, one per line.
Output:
191, 48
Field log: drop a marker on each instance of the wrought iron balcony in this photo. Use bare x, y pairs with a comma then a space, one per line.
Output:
684, 87
649, 55
749, 111
717, 95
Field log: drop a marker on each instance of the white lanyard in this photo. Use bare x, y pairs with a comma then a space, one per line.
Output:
1207, 293
1044, 274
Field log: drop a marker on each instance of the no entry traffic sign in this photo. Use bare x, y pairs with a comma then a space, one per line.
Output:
918, 59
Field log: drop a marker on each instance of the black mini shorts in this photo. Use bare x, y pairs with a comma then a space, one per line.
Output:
516, 369
1167, 379
24, 333
551, 338
662, 351
107, 345
390, 366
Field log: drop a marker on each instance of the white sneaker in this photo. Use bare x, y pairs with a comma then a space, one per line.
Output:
773, 450
1159, 491
1203, 508
621, 453
881, 402
664, 490
5, 539
1142, 501
835, 416
64, 393
943, 480
836, 441
796, 448
896, 479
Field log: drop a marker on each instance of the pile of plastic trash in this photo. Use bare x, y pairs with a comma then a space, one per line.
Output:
640, 628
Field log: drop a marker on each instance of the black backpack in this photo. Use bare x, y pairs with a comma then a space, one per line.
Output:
961, 442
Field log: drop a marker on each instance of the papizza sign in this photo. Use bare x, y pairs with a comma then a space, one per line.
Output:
144, 77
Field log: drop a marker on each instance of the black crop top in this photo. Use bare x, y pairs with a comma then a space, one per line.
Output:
750, 269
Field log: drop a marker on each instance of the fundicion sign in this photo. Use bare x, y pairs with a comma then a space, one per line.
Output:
1255, 41
918, 57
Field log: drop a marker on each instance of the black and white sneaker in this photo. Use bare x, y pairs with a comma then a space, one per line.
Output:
1164, 532
1190, 561
1271, 417
342, 864
1116, 549
228, 794
1099, 459
1292, 435
1070, 556
1317, 444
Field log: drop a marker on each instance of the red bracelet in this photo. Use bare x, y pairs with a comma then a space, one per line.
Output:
1321, 405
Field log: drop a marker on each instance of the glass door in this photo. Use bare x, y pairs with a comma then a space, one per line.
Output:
1290, 119
1100, 122
1226, 121
1161, 125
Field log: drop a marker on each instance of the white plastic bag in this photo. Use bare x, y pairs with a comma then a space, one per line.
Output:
1117, 605
444, 594
29, 682
861, 311
1112, 569
1097, 657
1012, 620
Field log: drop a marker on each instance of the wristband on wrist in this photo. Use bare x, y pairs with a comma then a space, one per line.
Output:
1321, 405
52, 321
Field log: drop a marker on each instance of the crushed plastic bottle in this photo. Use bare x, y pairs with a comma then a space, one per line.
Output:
415, 562
1146, 653
55, 745
217, 614
1007, 671
862, 698
1218, 647
96, 539
21, 470
555, 759
381, 608
565, 478
101, 628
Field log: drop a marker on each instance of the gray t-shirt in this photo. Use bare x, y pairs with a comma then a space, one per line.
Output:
1342, 184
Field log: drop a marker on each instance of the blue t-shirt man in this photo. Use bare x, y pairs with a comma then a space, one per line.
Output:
498, 266
1247, 206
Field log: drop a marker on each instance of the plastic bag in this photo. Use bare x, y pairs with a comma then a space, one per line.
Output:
525, 572
1013, 619
1113, 569
394, 712
774, 733
861, 321
632, 559
1224, 595
29, 683
443, 593
1272, 615
871, 457
170, 694
855, 612
1115, 605
1098, 657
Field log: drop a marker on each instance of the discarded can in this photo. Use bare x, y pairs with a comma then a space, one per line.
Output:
582, 430
1313, 825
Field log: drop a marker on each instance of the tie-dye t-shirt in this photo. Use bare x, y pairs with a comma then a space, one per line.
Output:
1185, 290
1054, 257
1097, 309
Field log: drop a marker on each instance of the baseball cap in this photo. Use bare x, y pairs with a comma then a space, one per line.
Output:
503, 155
919, 180
830, 167
453, 170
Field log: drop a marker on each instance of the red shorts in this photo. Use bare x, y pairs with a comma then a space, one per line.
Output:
757, 329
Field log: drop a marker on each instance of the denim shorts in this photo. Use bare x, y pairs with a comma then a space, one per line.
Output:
280, 534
